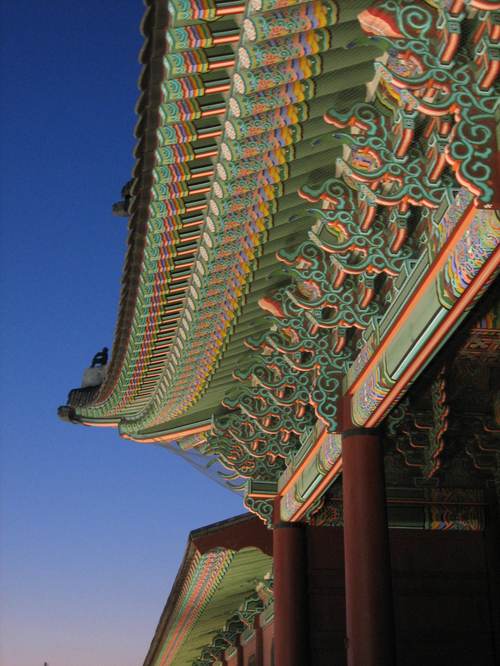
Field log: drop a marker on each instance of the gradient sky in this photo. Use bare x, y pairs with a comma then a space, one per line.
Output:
92, 528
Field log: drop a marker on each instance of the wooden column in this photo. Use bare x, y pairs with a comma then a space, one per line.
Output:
291, 613
238, 661
239, 652
369, 612
259, 643
492, 536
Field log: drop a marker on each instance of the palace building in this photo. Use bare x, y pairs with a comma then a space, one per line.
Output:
310, 312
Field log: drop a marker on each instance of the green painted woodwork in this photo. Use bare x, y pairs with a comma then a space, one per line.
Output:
283, 217
238, 583
337, 74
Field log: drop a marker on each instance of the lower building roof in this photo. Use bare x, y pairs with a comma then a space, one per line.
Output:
219, 571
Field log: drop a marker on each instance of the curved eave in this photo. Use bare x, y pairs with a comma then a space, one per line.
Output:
219, 569
142, 401
153, 27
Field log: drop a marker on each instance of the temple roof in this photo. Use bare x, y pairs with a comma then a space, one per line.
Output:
312, 217
230, 128
220, 569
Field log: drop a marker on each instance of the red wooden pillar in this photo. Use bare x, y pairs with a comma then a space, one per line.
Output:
239, 652
291, 614
259, 643
235, 659
492, 536
369, 612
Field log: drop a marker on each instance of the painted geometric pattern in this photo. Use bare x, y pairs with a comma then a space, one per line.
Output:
205, 222
427, 137
370, 227
201, 582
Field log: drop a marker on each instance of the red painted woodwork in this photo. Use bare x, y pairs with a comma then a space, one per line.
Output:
290, 595
253, 647
492, 543
249, 658
443, 594
236, 659
369, 613
325, 556
443, 598
267, 643
248, 649
231, 535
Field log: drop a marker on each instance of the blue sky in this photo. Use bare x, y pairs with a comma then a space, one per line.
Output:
92, 527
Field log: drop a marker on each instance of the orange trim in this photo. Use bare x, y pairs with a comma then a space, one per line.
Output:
239, 9
336, 469
399, 240
406, 140
112, 424
450, 48
481, 279
301, 467
208, 172
190, 239
438, 169
262, 495
213, 112
367, 297
483, 276
224, 87
490, 76
187, 264
226, 40
455, 237
208, 153
209, 135
200, 190
221, 64
170, 437
188, 225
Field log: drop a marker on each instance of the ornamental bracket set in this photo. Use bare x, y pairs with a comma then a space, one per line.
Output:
363, 230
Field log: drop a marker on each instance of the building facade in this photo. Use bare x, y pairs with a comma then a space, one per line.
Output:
310, 300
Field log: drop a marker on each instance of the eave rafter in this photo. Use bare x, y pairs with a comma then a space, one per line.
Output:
380, 217
270, 164
206, 202
215, 581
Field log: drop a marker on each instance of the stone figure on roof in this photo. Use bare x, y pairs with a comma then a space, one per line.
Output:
100, 359
122, 208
